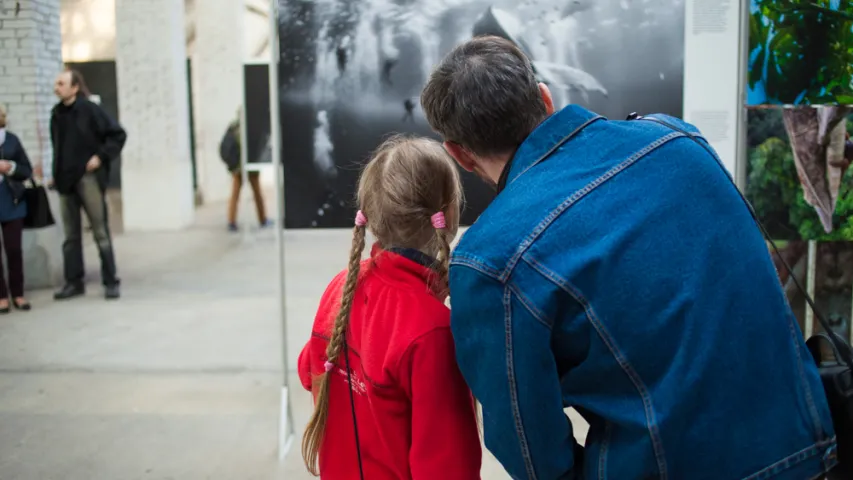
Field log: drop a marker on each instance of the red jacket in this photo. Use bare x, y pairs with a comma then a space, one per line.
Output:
416, 416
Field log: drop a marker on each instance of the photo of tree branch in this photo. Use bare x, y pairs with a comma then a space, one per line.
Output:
800, 183
798, 175
800, 52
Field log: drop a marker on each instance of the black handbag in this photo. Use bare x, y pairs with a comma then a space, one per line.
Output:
835, 374
837, 379
38, 206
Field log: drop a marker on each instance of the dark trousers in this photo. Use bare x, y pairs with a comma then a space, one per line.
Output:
12, 232
88, 196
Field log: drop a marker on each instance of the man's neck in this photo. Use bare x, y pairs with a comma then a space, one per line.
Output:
498, 170
69, 101
494, 166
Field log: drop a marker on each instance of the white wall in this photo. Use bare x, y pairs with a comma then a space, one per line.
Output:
88, 29
30, 57
151, 70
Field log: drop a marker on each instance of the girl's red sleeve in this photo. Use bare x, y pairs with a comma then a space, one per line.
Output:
445, 436
303, 366
327, 302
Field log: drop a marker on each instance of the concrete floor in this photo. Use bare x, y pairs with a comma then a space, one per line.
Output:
180, 379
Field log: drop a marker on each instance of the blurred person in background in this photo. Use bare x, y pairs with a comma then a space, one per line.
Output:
229, 152
85, 142
15, 168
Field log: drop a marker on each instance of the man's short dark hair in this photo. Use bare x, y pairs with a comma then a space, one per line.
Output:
484, 96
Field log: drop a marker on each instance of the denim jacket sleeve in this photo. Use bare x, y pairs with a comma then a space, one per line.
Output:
505, 356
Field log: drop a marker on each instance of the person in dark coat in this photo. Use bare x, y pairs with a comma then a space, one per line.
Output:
15, 168
86, 141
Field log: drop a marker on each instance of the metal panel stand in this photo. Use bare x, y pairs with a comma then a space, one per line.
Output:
810, 287
286, 429
244, 174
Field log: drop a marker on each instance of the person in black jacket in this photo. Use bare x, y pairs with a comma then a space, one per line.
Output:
15, 168
85, 141
229, 151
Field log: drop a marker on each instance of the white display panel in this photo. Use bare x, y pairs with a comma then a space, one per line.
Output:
713, 71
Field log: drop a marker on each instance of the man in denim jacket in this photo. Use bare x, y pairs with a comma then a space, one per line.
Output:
617, 272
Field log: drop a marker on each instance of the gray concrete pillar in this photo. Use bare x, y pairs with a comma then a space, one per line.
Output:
30, 58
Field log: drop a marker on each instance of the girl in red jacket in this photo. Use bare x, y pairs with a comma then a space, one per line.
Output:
389, 400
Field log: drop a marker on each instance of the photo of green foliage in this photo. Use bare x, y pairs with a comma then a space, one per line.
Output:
777, 190
800, 52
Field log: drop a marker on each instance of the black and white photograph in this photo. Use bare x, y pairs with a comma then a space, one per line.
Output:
351, 73
257, 98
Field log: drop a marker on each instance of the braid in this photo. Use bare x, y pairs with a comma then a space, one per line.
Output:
338, 336
313, 436
442, 266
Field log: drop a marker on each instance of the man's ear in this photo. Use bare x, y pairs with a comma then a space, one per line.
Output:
547, 98
461, 155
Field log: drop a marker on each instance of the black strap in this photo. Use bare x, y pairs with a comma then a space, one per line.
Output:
840, 346
352, 406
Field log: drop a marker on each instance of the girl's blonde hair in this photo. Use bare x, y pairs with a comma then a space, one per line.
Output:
401, 188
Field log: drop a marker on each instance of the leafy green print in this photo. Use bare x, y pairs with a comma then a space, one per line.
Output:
801, 51
774, 188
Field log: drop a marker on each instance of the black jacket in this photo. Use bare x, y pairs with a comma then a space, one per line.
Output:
78, 132
13, 151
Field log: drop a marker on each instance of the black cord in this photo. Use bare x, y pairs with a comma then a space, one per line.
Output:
352, 405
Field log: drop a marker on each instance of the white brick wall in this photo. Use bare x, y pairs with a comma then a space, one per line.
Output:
217, 88
30, 58
152, 85
153, 100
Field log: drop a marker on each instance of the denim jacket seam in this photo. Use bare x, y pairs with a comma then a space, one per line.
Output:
578, 195
602, 455
464, 260
696, 136
467, 260
530, 307
513, 387
558, 145
819, 431
642, 390
791, 460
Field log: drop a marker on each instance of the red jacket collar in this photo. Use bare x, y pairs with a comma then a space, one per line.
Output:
398, 267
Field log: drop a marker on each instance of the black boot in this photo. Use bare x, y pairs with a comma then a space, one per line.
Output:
112, 292
70, 290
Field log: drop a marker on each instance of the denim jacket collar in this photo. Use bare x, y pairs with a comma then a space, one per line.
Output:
545, 139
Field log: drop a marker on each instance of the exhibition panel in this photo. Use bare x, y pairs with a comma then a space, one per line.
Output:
799, 92
351, 72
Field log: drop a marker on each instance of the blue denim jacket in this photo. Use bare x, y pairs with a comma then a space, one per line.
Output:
618, 272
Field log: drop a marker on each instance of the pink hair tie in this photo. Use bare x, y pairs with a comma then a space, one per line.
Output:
328, 366
438, 220
360, 219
